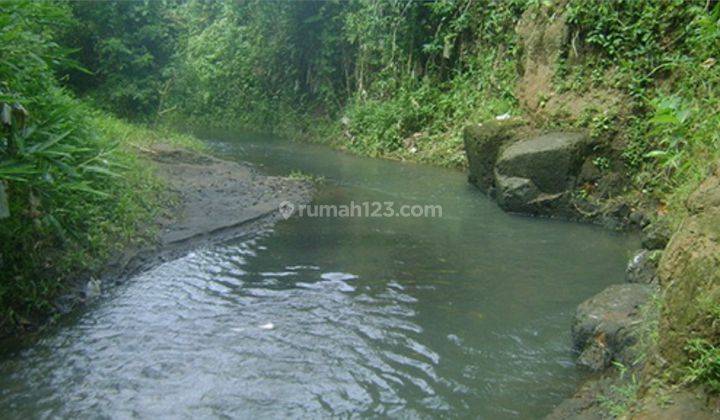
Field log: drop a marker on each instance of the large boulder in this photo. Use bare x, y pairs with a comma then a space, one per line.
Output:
482, 145
534, 175
605, 326
550, 161
526, 173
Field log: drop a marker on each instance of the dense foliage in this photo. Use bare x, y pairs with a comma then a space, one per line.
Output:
664, 56
401, 78
75, 191
398, 71
127, 45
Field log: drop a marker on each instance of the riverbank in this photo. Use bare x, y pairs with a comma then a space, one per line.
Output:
190, 199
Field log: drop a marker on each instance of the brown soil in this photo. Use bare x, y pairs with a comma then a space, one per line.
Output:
545, 39
217, 195
218, 200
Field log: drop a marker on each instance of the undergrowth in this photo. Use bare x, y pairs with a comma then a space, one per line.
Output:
704, 367
620, 397
662, 55
76, 189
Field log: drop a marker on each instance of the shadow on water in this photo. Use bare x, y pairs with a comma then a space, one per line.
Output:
467, 314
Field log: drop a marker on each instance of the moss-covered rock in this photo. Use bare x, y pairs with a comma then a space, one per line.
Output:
482, 146
604, 329
551, 161
528, 173
706, 196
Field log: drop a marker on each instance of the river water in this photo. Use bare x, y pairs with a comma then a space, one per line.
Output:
464, 315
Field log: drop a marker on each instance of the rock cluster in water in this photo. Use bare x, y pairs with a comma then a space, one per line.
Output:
541, 173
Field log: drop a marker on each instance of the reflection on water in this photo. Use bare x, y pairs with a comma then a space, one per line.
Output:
467, 315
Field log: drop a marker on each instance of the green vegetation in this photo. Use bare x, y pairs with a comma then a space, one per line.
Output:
128, 46
621, 397
662, 55
704, 364
76, 189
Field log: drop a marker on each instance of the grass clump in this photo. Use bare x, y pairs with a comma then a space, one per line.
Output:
619, 398
704, 366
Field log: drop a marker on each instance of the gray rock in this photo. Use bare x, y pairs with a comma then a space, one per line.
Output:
515, 193
639, 218
596, 356
551, 161
611, 184
642, 268
604, 328
535, 175
615, 215
589, 172
656, 235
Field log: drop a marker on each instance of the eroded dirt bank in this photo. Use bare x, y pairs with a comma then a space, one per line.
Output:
214, 200
217, 200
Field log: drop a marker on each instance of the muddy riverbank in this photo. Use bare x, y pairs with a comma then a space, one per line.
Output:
210, 200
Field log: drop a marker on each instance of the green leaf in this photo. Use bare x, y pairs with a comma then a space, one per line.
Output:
665, 118
81, 186
100, 170
42, 146
656, 153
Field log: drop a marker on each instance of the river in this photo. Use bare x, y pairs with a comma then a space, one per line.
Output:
464, 315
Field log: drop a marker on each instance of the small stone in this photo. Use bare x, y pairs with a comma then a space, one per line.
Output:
92, 289
638, 218
595, 357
